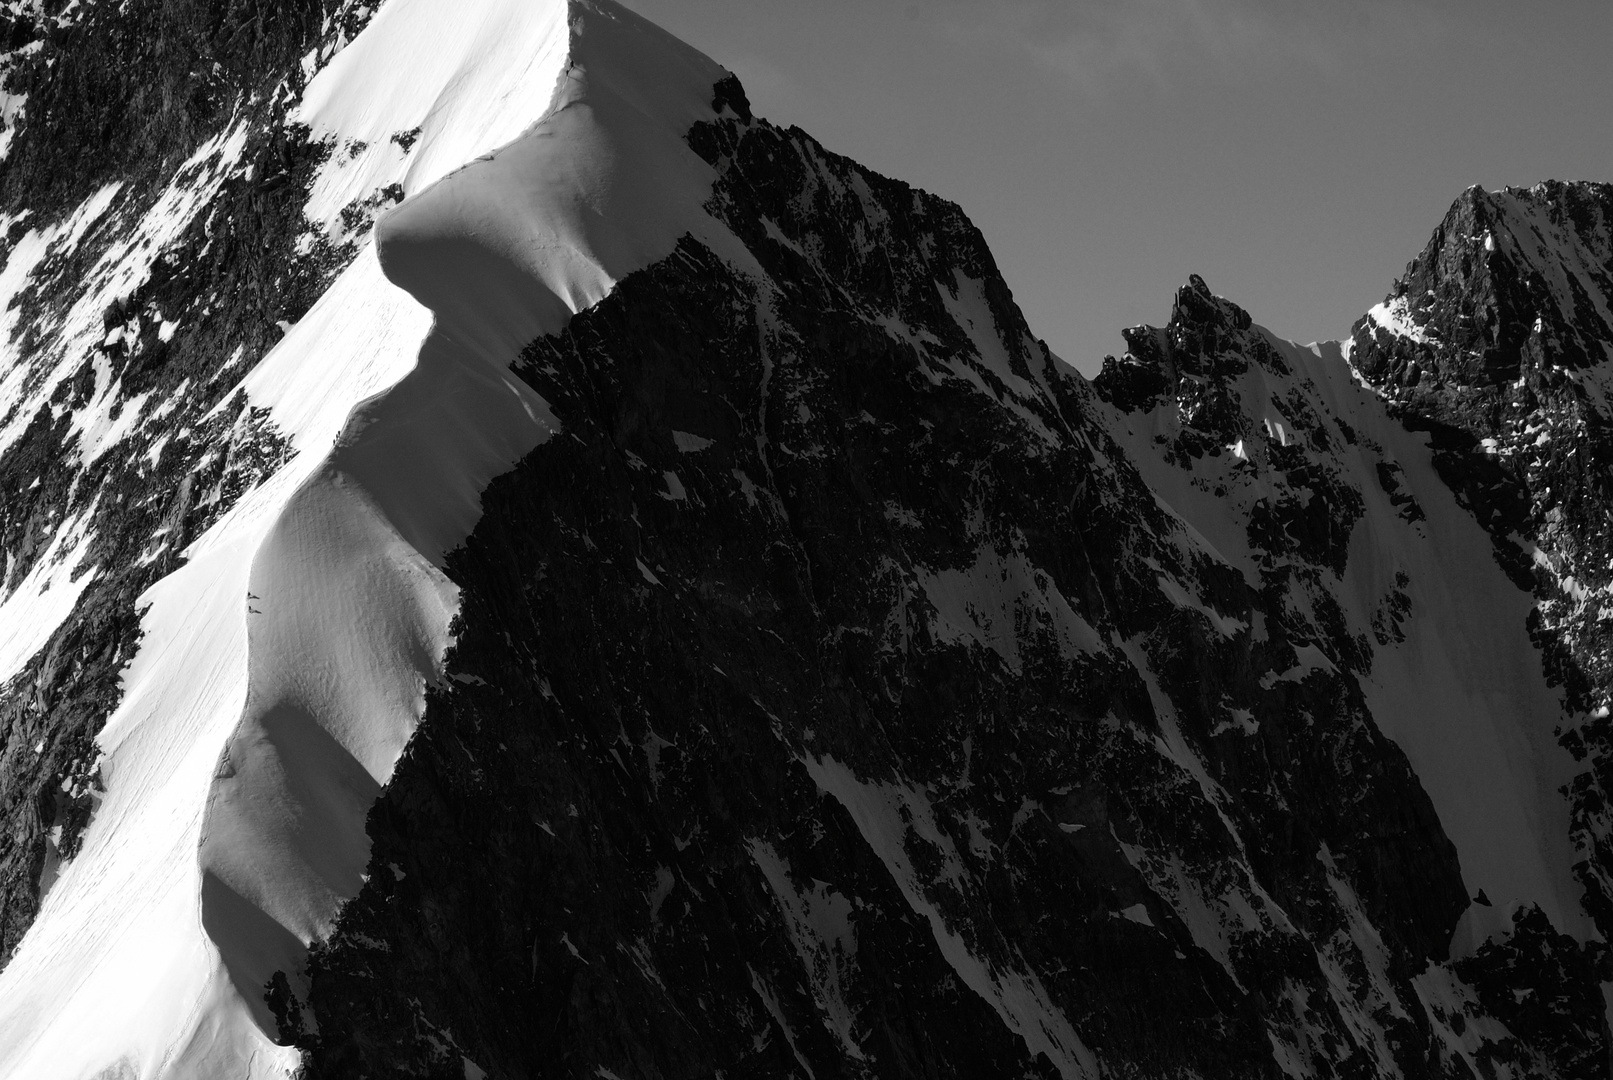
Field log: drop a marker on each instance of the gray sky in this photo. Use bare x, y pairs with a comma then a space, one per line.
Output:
1296, 153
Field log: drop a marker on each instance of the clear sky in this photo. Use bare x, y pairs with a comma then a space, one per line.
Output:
1296, 153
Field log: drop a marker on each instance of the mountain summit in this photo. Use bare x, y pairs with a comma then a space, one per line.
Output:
516, 566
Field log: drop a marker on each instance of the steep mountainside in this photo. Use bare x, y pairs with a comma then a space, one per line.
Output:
832, 698
151, 256
1331, 498
1499, 340
646, 605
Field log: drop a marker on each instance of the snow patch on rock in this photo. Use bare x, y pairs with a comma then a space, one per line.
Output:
885, 813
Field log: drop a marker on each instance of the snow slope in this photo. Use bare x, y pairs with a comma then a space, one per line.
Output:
283, 668
1463, 694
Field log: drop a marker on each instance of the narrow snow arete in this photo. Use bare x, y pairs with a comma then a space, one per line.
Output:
282, 669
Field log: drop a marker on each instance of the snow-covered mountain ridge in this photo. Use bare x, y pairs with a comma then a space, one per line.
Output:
652, 608
283, 663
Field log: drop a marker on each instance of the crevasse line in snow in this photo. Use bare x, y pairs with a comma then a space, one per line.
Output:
283, 668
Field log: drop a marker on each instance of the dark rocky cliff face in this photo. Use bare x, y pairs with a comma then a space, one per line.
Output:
833, 697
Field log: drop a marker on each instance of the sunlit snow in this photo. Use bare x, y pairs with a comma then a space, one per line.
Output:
549, 162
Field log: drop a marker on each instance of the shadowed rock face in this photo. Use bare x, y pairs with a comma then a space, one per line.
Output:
817, 705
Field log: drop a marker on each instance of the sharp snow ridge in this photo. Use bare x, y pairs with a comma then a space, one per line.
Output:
284, 667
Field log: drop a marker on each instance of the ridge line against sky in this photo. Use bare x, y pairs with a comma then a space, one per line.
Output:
1296, 154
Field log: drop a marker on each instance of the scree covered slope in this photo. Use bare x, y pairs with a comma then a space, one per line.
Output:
517, 567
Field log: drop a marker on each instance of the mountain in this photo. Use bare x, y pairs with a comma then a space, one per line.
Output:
516, 566
1499, 342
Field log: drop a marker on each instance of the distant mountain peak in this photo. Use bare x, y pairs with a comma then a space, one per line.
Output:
1511, 286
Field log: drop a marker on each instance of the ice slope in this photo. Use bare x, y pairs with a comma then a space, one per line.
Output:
283, 668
